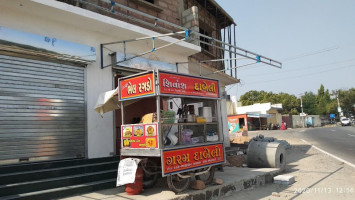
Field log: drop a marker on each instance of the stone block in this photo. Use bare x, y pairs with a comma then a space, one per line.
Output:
218, 181
284, 179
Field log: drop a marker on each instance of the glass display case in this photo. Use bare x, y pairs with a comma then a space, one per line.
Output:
184, 133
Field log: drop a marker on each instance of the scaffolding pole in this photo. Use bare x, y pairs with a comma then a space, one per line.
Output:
124, 42
244, 52
223, 70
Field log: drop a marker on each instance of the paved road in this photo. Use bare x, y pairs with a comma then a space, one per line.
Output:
339, 141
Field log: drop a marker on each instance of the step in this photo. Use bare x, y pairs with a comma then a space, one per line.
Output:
63, 191
31, 186
56, 172
5, 169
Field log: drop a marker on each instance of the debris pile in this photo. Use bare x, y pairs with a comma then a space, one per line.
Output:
237, 159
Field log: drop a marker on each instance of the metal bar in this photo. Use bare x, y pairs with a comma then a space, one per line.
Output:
139, 12
216, 60
145, 38
229, 69
101, 56
122, 112
244, 55
235, 62
247, 56
224, 39
181, 28
158, 108
153, 44
230, 48
142, 54
199, 63
124, 51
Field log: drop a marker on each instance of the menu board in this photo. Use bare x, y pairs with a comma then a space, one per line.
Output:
179, 84
177, 160
139, 136
136, 86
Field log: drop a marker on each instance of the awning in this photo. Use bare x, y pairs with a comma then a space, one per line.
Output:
108, 101
258, 115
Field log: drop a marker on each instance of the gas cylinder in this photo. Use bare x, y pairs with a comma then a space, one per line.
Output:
137, 186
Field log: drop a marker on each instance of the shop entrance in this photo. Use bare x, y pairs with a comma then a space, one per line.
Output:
42, 107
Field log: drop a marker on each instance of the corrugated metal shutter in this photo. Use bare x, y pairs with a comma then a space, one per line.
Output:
42, 110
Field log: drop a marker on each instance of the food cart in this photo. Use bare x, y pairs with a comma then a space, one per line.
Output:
183, 137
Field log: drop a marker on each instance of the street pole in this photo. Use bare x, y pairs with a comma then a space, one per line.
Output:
339, 108
302, 112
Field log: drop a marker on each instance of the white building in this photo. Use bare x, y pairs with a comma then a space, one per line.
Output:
47, 99
273, 110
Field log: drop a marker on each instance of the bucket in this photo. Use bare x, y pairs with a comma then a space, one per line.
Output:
205, 112
137, 186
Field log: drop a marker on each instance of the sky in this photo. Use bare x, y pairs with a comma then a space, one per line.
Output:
314, 40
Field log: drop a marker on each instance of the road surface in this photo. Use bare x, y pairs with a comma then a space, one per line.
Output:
339, 141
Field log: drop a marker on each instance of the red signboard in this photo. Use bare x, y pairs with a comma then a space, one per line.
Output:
139, 136
137, 86
188, 158
170, 83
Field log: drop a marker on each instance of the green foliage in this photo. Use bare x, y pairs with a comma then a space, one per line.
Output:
290, 103
347, 101
323, 99
321, 103
309, 100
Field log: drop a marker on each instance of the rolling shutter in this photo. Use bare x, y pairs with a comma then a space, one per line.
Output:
42, 110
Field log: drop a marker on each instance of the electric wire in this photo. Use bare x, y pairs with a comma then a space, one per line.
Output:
303, 75
302, 68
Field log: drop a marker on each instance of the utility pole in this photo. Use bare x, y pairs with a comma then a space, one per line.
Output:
301, 105
339, 108
302, 112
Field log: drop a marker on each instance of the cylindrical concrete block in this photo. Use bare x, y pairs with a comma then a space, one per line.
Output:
266, 155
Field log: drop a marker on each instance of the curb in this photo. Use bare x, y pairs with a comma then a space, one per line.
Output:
218, 191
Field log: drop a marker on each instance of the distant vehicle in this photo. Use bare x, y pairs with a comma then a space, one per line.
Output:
345, 122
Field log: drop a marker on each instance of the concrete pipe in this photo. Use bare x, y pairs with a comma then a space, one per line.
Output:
266, 155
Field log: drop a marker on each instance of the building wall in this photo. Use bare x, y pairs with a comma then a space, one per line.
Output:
224, 119
300, 122
261, 108
100, 131
276, 117
170, 11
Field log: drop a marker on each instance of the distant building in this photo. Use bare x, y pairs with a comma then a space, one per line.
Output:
257, 116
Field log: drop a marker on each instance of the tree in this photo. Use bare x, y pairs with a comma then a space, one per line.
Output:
323, 99
309, 101
347, 101
289, 102
313, 104
252, 97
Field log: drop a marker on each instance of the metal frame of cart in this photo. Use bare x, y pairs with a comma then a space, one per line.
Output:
180, 161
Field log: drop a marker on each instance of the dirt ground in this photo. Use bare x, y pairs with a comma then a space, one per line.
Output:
317, 175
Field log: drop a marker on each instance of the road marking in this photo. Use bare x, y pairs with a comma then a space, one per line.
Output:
332, 130
329, 154
351, 135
